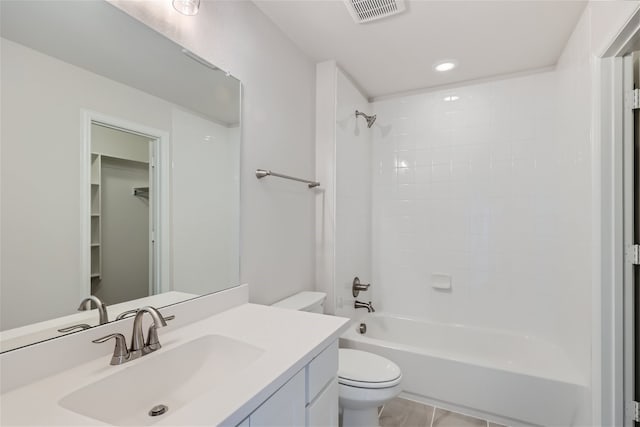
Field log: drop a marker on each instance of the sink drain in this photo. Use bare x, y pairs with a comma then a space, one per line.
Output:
158, 410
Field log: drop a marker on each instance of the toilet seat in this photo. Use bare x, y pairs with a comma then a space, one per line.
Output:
363, 384
366, 370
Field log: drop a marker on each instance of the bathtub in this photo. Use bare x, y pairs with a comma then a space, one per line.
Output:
489, 373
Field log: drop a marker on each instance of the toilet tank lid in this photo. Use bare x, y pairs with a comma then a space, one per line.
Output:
302, 300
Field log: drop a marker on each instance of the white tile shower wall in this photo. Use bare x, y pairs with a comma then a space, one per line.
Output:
573, 127
477, 183
353, 196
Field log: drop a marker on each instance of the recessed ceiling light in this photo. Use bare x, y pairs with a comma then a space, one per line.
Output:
445, 66
451, 98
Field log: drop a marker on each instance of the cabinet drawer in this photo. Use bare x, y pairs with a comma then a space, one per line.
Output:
321, 370
323, 411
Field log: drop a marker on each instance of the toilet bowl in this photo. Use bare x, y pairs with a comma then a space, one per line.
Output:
365, 380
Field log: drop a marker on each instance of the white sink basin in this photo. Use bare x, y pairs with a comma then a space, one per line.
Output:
171, 377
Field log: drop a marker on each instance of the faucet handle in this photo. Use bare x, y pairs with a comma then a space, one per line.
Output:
126, 314
356, 287
153, 343
80, 327
120, 352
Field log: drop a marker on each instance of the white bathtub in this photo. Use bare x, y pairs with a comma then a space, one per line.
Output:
501, 376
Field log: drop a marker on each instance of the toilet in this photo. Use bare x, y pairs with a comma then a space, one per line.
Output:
366, 380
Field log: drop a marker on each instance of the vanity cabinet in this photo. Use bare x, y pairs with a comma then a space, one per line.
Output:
285, 407
309, 398
322, 388
323, 411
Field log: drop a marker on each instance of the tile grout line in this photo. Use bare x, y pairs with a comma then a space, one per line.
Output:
435, 408
433, 416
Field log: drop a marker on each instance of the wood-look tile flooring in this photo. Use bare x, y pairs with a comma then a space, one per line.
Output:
406, 413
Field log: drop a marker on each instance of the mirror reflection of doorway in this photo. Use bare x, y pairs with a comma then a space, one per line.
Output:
121, 216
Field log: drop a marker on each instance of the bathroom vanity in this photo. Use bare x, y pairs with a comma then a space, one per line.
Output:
223, 362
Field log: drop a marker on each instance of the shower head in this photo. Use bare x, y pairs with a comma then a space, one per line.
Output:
370, 119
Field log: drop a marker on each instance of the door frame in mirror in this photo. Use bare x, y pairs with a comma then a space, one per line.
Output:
161, 266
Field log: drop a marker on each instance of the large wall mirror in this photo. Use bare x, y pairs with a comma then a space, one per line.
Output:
119, 170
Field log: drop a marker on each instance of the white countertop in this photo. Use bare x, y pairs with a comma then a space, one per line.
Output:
290, 340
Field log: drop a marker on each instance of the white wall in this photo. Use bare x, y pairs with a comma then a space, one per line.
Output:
343, 207
115, 143
325, 249
205, 179
353, 197
574, 133
606, 19
278, 112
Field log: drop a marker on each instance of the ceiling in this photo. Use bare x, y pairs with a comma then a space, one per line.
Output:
102, 39
397, 54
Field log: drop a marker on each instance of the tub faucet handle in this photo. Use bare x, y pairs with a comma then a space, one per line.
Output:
357, 287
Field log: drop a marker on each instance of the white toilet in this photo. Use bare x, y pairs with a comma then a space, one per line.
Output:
366, 380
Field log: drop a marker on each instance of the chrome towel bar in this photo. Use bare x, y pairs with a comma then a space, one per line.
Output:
261, 173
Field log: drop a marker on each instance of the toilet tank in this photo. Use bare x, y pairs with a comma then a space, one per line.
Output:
304, 301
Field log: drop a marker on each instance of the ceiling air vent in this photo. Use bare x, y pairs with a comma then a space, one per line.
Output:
369, 10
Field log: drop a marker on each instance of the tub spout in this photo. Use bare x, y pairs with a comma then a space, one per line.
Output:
368, 306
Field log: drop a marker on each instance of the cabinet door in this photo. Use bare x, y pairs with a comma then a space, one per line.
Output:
323, 411
285, 408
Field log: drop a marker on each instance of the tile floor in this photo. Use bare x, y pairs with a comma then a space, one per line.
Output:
405, 413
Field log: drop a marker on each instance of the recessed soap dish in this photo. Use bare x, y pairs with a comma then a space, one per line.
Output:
441, 281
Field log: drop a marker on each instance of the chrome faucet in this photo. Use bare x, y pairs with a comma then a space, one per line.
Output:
368, 306
102, 309
138, 347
